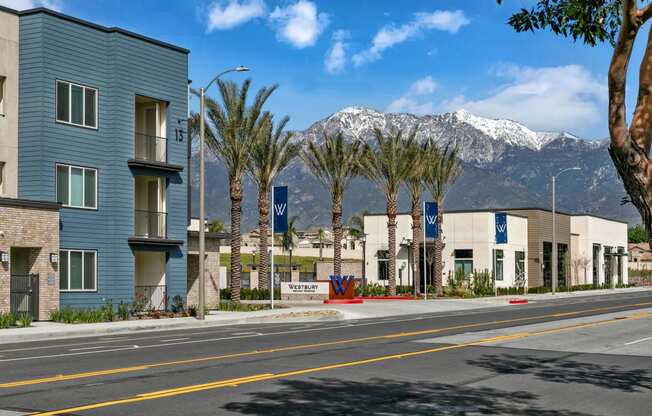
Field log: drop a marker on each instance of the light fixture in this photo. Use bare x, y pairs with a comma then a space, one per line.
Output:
54, 258
4, 257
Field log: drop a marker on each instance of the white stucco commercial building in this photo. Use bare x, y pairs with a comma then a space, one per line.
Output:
591, 249
470, 245
598, 247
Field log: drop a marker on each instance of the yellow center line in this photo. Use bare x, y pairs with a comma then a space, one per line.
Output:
271, 376
114, 371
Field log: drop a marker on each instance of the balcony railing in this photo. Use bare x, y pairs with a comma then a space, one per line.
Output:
151, 297
150, 224
151, 148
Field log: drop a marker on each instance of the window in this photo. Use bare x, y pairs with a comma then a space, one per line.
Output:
76, 104
563, 266
383, 264
498, 266
520, 265
2, 96
76, 186
463, 263
547, 264
77, 270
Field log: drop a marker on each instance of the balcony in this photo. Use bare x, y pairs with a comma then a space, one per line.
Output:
151, 148
150, 224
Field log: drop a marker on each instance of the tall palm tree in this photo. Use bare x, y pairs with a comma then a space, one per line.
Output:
356, 224
388, 165
288, 241
321, 234
270, 153
232, 127
334, 162
415, 186
442, 169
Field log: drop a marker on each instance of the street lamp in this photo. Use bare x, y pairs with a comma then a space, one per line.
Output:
202, 213
554, 229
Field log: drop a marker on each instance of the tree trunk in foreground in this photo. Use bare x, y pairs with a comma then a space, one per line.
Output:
263, 227
416, 236
439, 248
236, 238
337, 236
391, 234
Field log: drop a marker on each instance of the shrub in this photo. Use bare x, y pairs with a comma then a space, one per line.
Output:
123, 311
229, 306
7, 319
177, 304
250, 294
482, 283
25, 320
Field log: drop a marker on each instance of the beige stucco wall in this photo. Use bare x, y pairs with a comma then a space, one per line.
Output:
212, 266
593, 230
9, 123
461, 231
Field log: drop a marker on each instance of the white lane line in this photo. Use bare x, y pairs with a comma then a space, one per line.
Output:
638, 340
100, 346
174, 339
245, 333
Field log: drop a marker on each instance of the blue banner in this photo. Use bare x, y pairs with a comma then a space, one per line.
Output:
430, 216
501, 228
280, 208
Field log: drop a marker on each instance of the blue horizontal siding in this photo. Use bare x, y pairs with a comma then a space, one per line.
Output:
120, 67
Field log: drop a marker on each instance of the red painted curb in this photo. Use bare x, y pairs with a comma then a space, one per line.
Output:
343, 301
386, 297
517, 301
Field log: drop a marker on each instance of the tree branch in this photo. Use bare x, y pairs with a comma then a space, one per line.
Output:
645, 13
618, 76
641, 126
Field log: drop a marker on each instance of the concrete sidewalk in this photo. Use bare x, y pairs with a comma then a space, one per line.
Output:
298, 312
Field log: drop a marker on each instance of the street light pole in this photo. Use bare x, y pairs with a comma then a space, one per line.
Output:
553, 275
202, 192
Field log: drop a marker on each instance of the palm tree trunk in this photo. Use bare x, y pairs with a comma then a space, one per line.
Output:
439, 247
337, 236
236, 202
391, 232
263, 225
290, 264
416, 234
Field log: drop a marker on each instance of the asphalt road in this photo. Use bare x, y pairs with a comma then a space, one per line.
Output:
388, 366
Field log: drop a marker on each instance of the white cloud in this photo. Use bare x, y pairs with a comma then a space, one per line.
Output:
336, 58
227, 15
299, 24
388, 36
415, 100
549, 98
31, 4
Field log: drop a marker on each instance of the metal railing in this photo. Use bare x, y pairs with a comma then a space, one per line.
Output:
24, 294
150, 224
151, 148
152, 297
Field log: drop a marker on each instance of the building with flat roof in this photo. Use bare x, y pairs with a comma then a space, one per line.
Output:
470, 246
96, 120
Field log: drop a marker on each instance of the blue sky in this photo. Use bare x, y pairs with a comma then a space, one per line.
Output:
416, 56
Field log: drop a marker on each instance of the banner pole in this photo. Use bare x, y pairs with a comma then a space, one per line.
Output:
271, 280
425, 269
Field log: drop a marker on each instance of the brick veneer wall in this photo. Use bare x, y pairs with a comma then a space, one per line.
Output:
212, 265
38, 229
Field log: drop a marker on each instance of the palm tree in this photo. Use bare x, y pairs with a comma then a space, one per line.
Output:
216, 226
233, 126
270, 153
356, 224
414, 185
321, 234
442, 169
334, 162
288, 241
388, 165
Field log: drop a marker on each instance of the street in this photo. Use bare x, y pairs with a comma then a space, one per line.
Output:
580, 356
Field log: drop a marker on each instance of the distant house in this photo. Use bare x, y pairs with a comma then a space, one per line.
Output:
640, 257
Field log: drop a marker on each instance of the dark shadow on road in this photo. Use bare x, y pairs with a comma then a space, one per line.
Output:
564, 370
328, 396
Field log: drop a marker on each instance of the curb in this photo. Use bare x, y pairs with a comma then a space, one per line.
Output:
187, 324
386, 297
343, 301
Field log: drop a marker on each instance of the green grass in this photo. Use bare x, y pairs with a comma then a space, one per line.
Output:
305, 263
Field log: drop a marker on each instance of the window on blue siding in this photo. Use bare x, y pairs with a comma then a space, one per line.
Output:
76, 186
76, 104
77, 270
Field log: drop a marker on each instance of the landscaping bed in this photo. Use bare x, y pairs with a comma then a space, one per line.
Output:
13, 320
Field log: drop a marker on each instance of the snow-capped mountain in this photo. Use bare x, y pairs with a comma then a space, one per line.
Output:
506, 164
481, 140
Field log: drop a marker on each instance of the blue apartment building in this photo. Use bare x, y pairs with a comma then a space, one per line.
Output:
102, 130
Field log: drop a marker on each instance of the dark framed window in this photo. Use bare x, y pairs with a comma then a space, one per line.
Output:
498, 264
547, 264
76, 186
